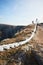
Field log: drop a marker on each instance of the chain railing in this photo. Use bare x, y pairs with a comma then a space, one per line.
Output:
14, 45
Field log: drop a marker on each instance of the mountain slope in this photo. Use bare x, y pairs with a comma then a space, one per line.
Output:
8, 31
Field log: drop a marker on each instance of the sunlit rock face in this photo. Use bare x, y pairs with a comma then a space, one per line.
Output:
39, 35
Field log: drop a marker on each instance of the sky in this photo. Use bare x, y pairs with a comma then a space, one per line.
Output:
20, 12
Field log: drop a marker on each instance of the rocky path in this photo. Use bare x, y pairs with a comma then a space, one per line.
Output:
32, 60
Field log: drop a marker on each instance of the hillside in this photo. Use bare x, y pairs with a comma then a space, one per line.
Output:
19, 36
26, 32
8, 31
21, 55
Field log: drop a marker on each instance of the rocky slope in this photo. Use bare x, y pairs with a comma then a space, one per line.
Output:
19, 36
21, 55
39, 34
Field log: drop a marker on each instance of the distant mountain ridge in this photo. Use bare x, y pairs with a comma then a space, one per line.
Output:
8, 31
